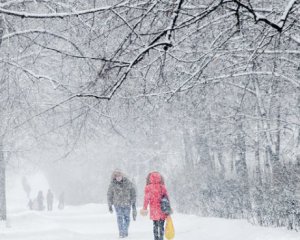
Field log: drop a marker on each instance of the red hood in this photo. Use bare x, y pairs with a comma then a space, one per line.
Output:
155, 178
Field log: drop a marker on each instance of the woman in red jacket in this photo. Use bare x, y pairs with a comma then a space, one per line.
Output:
154, 191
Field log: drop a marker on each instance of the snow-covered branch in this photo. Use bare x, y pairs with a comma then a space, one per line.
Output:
59, 15
173, 22
75, 46
55, 84
287, 11
137, 59
42, 31
279, 25
243, 74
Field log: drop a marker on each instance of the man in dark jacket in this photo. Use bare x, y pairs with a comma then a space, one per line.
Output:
122, 195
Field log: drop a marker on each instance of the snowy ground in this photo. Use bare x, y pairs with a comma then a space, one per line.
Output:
92, 221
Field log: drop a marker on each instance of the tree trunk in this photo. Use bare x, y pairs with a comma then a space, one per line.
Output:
278, 142
189, 163
222, 166
1, 29
258, 174
2, 185
2, 162
242, 170
298, 140
241, 165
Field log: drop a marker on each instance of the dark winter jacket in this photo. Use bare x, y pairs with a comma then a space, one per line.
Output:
121, 194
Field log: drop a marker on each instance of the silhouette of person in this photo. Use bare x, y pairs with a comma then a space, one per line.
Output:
50, 200
40, 201
61, 201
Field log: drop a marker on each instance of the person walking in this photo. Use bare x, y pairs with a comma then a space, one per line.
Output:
155, 195
61, 201
121, 195
50, 200
30, 204
40, 201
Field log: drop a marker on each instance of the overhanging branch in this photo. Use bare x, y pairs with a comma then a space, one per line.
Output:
258, 18
58, 15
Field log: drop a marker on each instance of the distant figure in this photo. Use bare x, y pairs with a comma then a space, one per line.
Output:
122, 195
30, 204
26, 186
155, 192
49, 200
40, 201
61, 201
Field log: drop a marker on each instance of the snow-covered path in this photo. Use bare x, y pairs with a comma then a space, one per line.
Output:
92, 222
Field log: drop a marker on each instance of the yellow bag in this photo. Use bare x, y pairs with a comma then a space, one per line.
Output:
169, 230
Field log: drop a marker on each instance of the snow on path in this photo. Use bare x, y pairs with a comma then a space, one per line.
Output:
91, 222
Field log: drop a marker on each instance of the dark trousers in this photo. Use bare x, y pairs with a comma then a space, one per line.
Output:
123, 217
158, 229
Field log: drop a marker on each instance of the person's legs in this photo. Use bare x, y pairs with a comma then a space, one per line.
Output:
120, 219
155, 229
126, 212
161, 224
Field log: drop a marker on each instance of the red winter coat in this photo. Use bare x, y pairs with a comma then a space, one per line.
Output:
153, 193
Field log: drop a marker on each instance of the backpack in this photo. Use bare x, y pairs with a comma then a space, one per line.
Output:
165, 205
